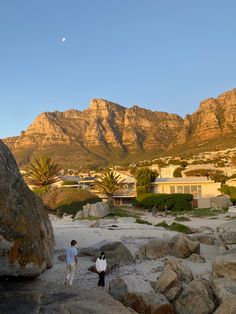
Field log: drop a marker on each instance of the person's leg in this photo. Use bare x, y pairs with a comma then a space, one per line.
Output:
72, 274
100, 279
103, 279
68, 271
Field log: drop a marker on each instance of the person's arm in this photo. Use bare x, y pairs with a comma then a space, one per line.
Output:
105, 265
76, 256
97, 265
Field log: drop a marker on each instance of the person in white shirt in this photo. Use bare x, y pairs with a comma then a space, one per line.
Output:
101, 266
71, 256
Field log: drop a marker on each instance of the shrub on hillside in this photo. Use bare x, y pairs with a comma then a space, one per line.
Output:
229, 190
68, 200
173, 202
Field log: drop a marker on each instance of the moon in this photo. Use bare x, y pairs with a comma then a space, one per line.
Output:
63, 39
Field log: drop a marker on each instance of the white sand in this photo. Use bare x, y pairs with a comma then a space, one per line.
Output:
133, 235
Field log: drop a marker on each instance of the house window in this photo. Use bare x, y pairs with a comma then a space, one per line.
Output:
179, 189
187, 189
194, 190
172, 189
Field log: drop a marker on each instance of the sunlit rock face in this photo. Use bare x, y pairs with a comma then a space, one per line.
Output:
26, 235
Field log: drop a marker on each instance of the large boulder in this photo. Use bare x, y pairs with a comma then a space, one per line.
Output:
26, 235
168, 283
204, 238
154, 249
118, 288
180, 268
227, 307
97, 210
117, 254
148, 303
225, 266
196, 258
223, 288
227, 232
196, 298
184, 246
220, 202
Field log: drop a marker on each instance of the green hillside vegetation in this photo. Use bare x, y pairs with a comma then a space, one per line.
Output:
66, 200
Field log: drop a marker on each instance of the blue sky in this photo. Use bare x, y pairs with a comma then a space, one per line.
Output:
163, 55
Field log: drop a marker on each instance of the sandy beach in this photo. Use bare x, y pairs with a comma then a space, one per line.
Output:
138, 274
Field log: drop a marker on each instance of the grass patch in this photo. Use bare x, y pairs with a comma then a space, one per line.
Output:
143, 222
182, 218
202, 212
119, 212
162, 224
175, 226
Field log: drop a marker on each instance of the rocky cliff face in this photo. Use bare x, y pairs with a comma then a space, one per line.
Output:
26, 236
215, 120
106, 131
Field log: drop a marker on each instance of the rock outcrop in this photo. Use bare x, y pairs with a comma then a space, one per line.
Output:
227, 307
97, 210
106, 130
117, 254
26, 235
225, 266
196, 298
144, 303
41, 297
180, 245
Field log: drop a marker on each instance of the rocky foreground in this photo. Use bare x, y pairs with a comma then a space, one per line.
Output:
44, 298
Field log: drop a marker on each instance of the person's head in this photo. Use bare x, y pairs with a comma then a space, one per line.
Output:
102, 255
73, 243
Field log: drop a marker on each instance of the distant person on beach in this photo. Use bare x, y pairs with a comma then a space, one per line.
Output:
101, 266
71, 263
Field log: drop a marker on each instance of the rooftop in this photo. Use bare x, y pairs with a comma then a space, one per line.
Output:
183, 180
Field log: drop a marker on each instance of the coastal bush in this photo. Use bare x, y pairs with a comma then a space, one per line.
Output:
42, 190
229, 190
175, 227
68, 200
173, 202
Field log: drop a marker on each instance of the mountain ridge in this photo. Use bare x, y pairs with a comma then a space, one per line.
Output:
107, 132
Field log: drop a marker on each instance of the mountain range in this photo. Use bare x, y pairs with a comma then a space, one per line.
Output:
108, 133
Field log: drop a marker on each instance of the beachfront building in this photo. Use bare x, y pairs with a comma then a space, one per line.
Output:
127, 189
231, 182
201, 188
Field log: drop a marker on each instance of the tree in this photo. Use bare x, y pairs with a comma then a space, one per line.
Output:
42, 171
108, 184
144, 177
178, 172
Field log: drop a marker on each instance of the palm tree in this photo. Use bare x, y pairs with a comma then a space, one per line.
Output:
42, 171
108, 184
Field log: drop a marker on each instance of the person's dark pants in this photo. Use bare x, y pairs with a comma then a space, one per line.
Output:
101, 281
